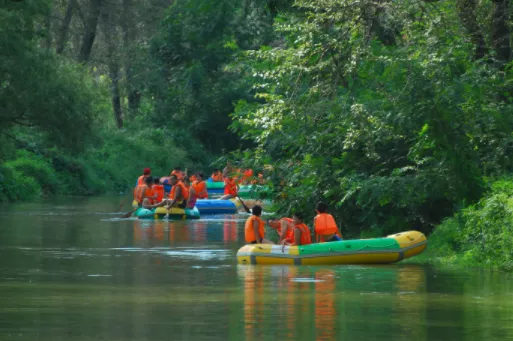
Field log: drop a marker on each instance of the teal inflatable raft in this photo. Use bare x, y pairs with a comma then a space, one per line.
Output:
161, 212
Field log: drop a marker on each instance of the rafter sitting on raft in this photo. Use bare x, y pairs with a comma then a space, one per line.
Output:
254, 228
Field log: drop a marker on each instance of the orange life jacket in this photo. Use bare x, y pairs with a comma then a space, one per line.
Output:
140, 180
276, 224
199, 187
184, 190
248, 173
159, 191
179, 174
230, 186
142, 192
324, 224
217, 177
305, 234
249, 232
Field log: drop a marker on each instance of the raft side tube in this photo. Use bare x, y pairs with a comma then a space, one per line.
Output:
391, 249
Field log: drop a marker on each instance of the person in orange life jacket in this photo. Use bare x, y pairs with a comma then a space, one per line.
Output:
146, 173
301, 231
178, 172
148, 204
158, 190
217, 176
231, 188
228, 170
144, 195
179, 193
325, 228
144, 190
191, 201
254, 228
284, 227
200, 187
247, 174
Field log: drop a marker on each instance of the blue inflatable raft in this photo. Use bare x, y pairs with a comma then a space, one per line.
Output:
213, 206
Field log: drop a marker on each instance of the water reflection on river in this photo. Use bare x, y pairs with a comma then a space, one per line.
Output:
70, 272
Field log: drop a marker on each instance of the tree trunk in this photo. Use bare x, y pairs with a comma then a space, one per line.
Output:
64, 30
108, 26
128, 26
114, 88
90, 31
500, 30
48, 28
466, 11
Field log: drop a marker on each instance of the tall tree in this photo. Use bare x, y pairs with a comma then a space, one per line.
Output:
129, 43
109, 26
39, 90
467, 13
90, 30
500, 30
64, 28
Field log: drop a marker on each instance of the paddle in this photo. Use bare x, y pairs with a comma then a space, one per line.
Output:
167, 213
123, 203
243, 204
126, 215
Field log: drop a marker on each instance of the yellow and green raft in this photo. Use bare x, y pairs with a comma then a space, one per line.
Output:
161, 213
391, 249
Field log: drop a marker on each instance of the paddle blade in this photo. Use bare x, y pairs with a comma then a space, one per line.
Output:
127, 215
244, 205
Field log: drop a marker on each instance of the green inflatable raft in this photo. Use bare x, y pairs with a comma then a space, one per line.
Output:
161, 212
391, 249
215, 185
253, 191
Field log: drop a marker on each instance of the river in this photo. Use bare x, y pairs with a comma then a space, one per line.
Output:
71, 270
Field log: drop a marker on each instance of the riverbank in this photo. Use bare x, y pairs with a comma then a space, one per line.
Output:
111, 165
479, 236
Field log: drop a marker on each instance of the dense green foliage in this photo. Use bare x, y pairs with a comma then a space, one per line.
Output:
57, 135
194, 88
380, 109
479, 235
38, 89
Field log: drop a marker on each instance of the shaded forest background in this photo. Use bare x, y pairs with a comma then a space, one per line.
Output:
398, 114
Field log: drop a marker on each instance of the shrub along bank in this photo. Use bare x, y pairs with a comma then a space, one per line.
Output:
111, 167
480, 235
